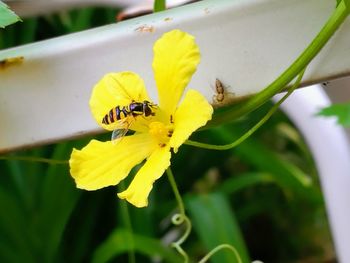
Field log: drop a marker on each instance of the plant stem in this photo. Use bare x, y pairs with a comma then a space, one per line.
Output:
255, 127
179, 218
176, 191
34, 159
218, 248
128, 225
159, 5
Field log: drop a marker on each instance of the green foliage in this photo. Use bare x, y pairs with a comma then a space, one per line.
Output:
235, 184
340, 111
35, 208
215, 223
159, 5
121, 241
47, 219
34, 29
7, 17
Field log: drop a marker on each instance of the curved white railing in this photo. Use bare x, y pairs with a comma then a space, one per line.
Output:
330, 147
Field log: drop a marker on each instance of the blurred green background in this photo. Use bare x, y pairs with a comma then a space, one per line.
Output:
263, 197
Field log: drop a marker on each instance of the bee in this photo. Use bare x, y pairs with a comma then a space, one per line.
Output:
124, 116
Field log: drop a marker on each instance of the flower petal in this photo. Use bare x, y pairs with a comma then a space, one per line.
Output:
116, 89
140, 187
193, 112
101, 164
176, 57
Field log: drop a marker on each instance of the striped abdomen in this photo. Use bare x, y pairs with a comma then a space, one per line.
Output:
116, 114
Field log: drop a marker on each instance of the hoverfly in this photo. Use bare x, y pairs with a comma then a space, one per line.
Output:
123, 116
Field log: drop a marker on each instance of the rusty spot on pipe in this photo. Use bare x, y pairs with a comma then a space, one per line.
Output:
12, 61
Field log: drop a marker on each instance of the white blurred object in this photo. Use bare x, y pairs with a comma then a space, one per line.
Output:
42, 7
146, 7
331, 151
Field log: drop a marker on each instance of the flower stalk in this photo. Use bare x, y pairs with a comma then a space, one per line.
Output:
254, 128
179, 218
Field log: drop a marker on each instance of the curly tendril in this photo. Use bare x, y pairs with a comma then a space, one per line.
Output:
217, 249
179, 219
255, 127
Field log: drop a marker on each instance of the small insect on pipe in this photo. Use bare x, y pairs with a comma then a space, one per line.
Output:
220, 92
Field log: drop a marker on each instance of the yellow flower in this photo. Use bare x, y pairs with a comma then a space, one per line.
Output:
101, 164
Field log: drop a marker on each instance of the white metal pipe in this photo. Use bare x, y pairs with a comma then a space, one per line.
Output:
330, 148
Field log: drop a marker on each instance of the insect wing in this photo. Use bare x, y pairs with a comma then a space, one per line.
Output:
116, 134
121, 129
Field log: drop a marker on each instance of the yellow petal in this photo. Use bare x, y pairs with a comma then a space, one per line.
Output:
140, 187
176, 57
101, 164
193, 113
116, 89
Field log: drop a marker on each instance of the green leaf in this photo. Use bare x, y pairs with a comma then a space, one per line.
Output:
119, 243
83, 20
215, 223
58, 197
14, 229
159, 5
7, 17
341, 111
287, 175
234, 184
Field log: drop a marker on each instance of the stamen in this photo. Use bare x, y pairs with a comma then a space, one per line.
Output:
161, 132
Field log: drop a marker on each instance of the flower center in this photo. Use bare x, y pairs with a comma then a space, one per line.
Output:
161, 132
